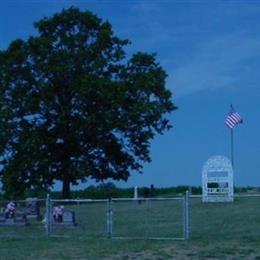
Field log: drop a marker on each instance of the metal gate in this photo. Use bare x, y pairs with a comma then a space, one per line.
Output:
144, 218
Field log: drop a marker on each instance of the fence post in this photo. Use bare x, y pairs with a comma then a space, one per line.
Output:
186, 221
146, 219
109, 218
47, 217
78, 211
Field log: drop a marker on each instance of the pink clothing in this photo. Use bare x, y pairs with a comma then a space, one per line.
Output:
57, 212
10, 208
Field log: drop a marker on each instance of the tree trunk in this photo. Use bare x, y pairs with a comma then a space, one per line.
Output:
66, 174
66, 188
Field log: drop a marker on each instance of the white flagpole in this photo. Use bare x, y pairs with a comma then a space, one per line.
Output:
232, 147
232, 140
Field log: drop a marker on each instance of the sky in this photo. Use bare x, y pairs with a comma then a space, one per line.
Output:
211, 53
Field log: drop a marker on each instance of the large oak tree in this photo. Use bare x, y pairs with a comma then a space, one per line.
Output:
72, 106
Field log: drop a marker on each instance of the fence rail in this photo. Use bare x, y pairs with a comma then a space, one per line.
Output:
177, 218
153, 218
150, 218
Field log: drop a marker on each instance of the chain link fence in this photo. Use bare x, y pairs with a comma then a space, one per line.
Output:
114, 218
180, 217
120, 218
24, 221
81, 218
148, 218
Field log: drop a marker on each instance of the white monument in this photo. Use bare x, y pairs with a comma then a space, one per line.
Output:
217, 180
136, 193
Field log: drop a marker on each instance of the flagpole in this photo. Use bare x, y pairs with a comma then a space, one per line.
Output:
232, 119
232, 146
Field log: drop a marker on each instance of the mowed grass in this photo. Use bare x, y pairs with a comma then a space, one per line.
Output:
218, 231
224, 221
131, 219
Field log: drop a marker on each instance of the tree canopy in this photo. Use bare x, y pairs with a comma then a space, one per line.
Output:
72, 106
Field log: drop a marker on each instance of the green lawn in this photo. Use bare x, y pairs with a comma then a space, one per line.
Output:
65, 248
219, 231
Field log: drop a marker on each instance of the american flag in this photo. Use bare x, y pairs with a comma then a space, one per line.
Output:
233, 118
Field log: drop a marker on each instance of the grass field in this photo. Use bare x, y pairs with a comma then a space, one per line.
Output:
218, 231
134, 219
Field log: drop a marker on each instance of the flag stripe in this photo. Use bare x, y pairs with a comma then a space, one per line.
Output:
233, 119
229, 123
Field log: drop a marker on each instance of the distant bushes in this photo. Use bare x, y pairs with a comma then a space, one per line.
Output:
104, 191
107, 190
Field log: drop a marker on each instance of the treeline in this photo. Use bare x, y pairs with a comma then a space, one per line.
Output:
107, 190
104, 191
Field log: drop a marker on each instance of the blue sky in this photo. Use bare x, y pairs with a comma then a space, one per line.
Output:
211, 52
